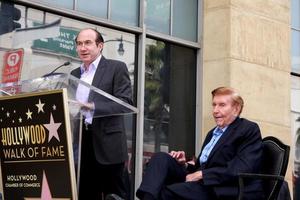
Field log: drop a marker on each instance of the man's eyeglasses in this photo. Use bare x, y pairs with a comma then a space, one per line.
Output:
86, 43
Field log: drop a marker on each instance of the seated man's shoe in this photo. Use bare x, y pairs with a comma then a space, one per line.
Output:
113, 197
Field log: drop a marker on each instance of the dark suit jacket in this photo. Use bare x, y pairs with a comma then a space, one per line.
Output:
109, 138
238, 150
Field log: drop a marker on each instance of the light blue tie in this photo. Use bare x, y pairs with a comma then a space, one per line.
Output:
209, 146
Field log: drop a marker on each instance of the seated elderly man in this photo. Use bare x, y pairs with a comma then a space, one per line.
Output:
234, 145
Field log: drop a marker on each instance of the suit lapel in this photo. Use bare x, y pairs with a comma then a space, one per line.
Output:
99, 72
225, 137
76, 73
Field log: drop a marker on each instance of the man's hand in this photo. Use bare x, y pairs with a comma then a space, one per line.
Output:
87, 106
179, 156
84, 106
196, 176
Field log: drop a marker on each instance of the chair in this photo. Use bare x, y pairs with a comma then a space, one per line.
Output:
274, 165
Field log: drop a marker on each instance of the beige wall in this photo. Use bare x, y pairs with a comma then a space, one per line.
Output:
246, 45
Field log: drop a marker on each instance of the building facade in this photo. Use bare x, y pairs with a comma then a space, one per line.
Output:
176, 51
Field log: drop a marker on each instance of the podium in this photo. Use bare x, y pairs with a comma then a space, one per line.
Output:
41, 126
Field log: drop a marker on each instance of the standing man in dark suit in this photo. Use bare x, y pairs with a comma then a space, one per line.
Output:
233, 146
104, 147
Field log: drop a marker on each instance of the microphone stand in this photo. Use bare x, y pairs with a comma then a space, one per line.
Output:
47, 77
53, 71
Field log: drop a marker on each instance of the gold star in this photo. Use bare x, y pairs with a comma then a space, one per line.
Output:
29, 114
40, 106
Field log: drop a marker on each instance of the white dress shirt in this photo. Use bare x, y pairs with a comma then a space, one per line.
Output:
82, 92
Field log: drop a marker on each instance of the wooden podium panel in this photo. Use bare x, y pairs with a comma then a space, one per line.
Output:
36, 147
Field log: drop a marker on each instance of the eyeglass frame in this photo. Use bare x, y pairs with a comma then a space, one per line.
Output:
86, 43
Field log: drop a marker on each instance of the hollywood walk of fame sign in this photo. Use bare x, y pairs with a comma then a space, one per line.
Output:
35, 147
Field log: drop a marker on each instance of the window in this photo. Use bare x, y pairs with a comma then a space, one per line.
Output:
185, 19
96, 8
170, 83
174, 17
295, 90
157, 17
58, 3
295, 51
125, 11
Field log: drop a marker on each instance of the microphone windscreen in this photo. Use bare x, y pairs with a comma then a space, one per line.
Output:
67, 63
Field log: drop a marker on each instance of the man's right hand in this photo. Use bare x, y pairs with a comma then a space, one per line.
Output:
179, 156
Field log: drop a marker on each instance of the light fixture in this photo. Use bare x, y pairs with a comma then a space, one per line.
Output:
121, 47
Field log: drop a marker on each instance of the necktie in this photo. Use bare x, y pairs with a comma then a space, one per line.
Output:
209, 146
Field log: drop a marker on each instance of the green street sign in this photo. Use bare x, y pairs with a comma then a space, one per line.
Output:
63, 44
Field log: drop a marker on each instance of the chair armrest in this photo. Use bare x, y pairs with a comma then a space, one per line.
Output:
243, 176
260, 176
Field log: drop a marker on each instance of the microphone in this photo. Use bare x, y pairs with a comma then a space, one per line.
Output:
53, 72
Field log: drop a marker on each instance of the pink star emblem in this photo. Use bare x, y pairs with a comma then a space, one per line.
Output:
52, 128
46, 194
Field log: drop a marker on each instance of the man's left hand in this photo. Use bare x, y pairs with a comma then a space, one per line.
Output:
196, 176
